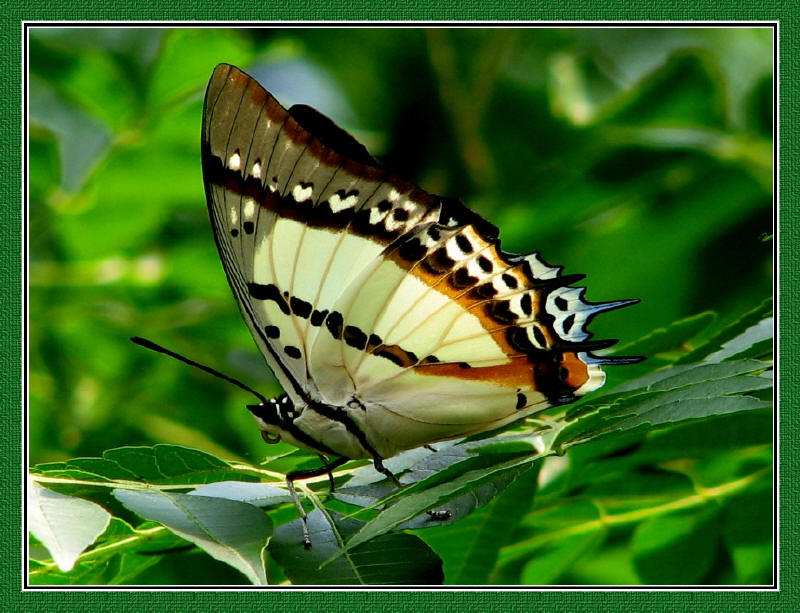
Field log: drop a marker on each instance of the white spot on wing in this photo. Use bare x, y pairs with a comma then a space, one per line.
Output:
415, 213
234, 216
575, 307
375, 215
541, 270
596, 377
474, 269
393, 195
249, 208
454, 251
235, 162
427, 241
337, 203
256, 172
301, 194
392, 224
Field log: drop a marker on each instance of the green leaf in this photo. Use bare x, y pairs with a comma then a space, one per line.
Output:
747, 522
672, 395
755, 341
715, 343
413, 465
232, 532
117, 557
442, 466
82, 140
680, 376
165, 464
552, 521
551, 562
470, 546
386, 560
416, 503
676, 549
187, 59
65, 525
257, 494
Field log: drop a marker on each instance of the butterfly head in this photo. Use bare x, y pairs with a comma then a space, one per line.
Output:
274, 417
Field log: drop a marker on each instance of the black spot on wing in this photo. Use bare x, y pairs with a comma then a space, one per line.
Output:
539, 336
484, 291
461, 279
391, 356
334, 323
268, 292
412, 250
485, 263
439, 262
292, 352
463, 243
300, 307
501, 312
317, 317
525, 303
400, 214
355, 337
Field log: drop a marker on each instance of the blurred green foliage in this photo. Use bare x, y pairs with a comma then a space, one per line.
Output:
641, 157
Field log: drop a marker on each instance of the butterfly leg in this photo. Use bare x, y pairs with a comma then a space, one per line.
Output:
378, 463
326, 468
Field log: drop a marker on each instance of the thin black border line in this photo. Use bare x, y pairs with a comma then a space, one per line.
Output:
774, 25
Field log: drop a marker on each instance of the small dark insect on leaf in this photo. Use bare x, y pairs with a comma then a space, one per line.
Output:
441, 515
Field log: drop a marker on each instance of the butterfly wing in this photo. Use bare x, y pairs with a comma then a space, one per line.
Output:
463, 337
371, 295
290, 212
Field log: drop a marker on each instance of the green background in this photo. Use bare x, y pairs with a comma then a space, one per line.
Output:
641, 158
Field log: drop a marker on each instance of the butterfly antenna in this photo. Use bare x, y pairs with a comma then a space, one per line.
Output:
155, 347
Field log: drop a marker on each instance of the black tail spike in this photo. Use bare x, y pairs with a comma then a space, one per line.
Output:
603, 307
614, 360
158, 348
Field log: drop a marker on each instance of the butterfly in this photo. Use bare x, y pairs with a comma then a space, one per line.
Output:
390, 316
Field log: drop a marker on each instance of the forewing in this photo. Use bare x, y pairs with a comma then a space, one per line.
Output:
298, 209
